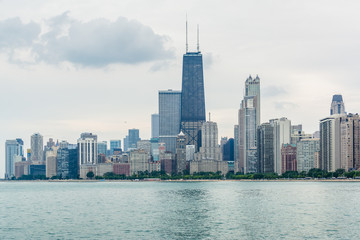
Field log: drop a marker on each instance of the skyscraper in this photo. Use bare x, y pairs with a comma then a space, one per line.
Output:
265, 148
193, 96
13, 153
330, 143
249, 120
180, 153
67, 161
130, 141
114, 144
37, 148
155, 125
87, 147
169, 118
102, 147
337, 105
282, 135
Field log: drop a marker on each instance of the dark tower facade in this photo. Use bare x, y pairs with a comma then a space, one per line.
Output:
192, 98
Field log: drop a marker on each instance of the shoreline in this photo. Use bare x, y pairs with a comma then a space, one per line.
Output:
187, 180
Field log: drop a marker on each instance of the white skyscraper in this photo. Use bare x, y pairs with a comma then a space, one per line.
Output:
249, 120
282, 135
37, 148
87, 147
13, 152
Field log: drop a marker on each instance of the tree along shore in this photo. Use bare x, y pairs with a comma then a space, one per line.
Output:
314, 173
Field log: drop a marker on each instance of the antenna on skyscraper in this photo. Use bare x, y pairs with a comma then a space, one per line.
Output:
198, 45
186, 35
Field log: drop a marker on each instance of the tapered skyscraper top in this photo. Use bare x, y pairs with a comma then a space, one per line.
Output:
337, 105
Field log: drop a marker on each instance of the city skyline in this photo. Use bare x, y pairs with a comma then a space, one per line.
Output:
286, 91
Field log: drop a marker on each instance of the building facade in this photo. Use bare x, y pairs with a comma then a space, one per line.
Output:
337, 105
192, 98
265, 148
169, 118
13, 153
87, 147
288, 158
282, 135
306, 154
155, 125
249, 120
37, 148
330, 143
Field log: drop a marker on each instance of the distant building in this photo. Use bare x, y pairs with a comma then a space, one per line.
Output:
154, 150
190, 153
37, 152
102, 148
144, 145
296, 136
130, 141
114, 144
282, 133
330, 143
87, 147
155, 125
180, 153
169, 118
192, 98
209, 158
288, 158
337, 105
139, 160
167, 161
249, 120
306, 150
51, 162
236, 143
121, 168
67, 161
228, 150
13, 153
22, 168
265, 148
350, 142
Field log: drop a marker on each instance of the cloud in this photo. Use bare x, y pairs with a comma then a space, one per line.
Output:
285, 105
272, 91
96, 43
15, 34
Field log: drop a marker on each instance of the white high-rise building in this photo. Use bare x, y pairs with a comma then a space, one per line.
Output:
87, 147
330, 143
306, 150
13, 153
37, 148
249, 120
282, 135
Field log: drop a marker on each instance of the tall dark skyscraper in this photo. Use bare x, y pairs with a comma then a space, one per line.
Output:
192, 97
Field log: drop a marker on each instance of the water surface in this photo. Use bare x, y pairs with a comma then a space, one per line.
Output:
179, 210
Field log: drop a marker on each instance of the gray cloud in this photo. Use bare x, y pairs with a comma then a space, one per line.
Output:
15, 34
95, 43
272, 91
285, 105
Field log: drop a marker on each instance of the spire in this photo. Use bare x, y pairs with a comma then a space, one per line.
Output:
209, 117
187, 47
198, 45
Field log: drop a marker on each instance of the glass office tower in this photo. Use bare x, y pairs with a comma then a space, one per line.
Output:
193, 98
169, 118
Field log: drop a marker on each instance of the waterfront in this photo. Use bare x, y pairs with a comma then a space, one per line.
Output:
179, 210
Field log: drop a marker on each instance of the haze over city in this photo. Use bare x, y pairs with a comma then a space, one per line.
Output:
98, 66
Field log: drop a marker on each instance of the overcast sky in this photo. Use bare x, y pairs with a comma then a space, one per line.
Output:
97, 66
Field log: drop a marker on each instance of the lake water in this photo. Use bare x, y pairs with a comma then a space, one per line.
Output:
179, 210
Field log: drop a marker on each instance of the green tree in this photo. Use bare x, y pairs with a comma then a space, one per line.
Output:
90, 175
